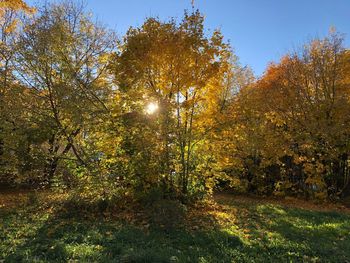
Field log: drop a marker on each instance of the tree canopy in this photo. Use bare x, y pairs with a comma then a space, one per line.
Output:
167, 110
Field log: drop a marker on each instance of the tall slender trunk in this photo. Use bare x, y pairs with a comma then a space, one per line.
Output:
183, 151
188, 143
165, 159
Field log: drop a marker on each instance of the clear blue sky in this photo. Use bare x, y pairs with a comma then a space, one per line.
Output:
259, 30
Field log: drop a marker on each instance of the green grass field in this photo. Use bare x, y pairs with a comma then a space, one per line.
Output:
235, 229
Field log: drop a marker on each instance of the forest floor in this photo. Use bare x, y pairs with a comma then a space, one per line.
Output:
229, 229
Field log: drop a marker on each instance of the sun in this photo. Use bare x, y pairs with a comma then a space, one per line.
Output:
152, 108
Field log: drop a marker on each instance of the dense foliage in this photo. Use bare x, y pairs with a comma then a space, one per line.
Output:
289, 131
167, 111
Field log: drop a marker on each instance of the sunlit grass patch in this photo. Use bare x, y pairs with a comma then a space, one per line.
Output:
231, 231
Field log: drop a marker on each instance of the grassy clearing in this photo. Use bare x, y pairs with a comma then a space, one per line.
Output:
234, 229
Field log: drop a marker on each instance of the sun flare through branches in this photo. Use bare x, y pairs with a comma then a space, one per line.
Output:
151, 108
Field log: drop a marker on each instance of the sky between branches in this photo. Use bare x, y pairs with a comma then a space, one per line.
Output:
259, 30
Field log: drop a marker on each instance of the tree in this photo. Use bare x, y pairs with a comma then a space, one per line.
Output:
62, 60
9, 29
179, 79
293, 133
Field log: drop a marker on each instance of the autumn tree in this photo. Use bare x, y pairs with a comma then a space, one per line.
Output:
291, 133
180, 80
9, 107
62, 60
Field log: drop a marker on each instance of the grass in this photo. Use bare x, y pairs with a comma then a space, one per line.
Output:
234, 229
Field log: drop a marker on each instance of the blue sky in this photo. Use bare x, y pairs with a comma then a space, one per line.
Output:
260, 31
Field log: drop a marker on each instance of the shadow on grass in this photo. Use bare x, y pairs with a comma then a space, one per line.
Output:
259, 233
279, 233
66, 236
